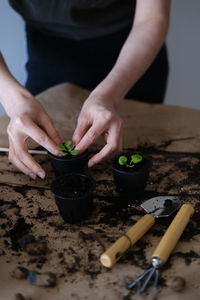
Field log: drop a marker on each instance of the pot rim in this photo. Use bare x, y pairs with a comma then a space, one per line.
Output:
144, 168
65, 158
87, 193
128, 172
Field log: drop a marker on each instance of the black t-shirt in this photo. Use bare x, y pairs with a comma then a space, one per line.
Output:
76, 19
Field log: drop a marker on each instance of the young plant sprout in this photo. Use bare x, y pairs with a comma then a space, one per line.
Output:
135, 159
68, 148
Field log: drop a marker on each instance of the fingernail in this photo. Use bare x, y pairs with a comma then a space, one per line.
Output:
32, 175
57, 152
91, 164
41, 174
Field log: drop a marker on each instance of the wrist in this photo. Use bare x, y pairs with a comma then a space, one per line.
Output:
12, 94
114, 87
109, 94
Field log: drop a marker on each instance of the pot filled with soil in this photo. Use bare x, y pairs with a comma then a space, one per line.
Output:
70, 159
130, 173
74, 196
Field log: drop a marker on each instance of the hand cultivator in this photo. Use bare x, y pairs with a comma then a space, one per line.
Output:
162, 253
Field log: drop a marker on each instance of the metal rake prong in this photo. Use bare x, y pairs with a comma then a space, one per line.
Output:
136, 281
145, 277
123, 280
151, 273
155, 286
139, 278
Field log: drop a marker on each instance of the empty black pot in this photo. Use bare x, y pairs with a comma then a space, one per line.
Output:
69, 164
74, 196
131, 181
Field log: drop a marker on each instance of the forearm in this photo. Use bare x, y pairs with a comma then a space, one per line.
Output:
135, 57
10, 89
137, 54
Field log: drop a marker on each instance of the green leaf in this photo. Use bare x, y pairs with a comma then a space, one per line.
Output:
64, 153
122, 160
68, 144
61, 147
131, 165
74, 152
136, 158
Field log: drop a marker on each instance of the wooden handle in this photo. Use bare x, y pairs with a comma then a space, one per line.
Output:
173, 233
31, 151
113, 254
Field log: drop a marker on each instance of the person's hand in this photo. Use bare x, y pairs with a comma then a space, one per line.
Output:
29, 119
98, 117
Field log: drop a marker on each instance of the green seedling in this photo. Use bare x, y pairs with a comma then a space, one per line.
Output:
135, 159
68, 148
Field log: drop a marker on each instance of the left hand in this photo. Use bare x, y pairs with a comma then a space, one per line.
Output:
98, 117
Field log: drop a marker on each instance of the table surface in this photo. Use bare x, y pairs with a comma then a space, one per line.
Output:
28, 207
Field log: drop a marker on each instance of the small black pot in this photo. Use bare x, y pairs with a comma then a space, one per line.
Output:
69, 164
131, 181
74, 196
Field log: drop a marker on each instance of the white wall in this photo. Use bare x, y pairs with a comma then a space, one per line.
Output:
12, 41
184, 53
183, 43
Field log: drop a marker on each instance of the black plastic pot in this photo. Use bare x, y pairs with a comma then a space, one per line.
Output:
74, 196
131, 181
69, 164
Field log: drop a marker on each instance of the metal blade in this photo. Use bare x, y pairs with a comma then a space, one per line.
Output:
161, 206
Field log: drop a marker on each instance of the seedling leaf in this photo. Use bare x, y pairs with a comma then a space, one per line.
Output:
68, 148
68, 144
136, 158
74, 152
61, 147
122, 160
64, 153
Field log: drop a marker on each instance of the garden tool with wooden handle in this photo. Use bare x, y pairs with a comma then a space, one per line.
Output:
163, 251
157, 207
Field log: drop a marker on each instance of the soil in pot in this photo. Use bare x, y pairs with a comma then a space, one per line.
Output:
74, 196
131, 181
69, 164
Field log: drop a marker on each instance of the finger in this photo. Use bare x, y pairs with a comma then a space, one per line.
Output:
17, 163
114, 135
49, 128
82, 127
113, 146
105, 153
22, 159
20, 166
92, 134
40, 136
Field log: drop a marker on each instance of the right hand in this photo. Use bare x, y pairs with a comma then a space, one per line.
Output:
29, 119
